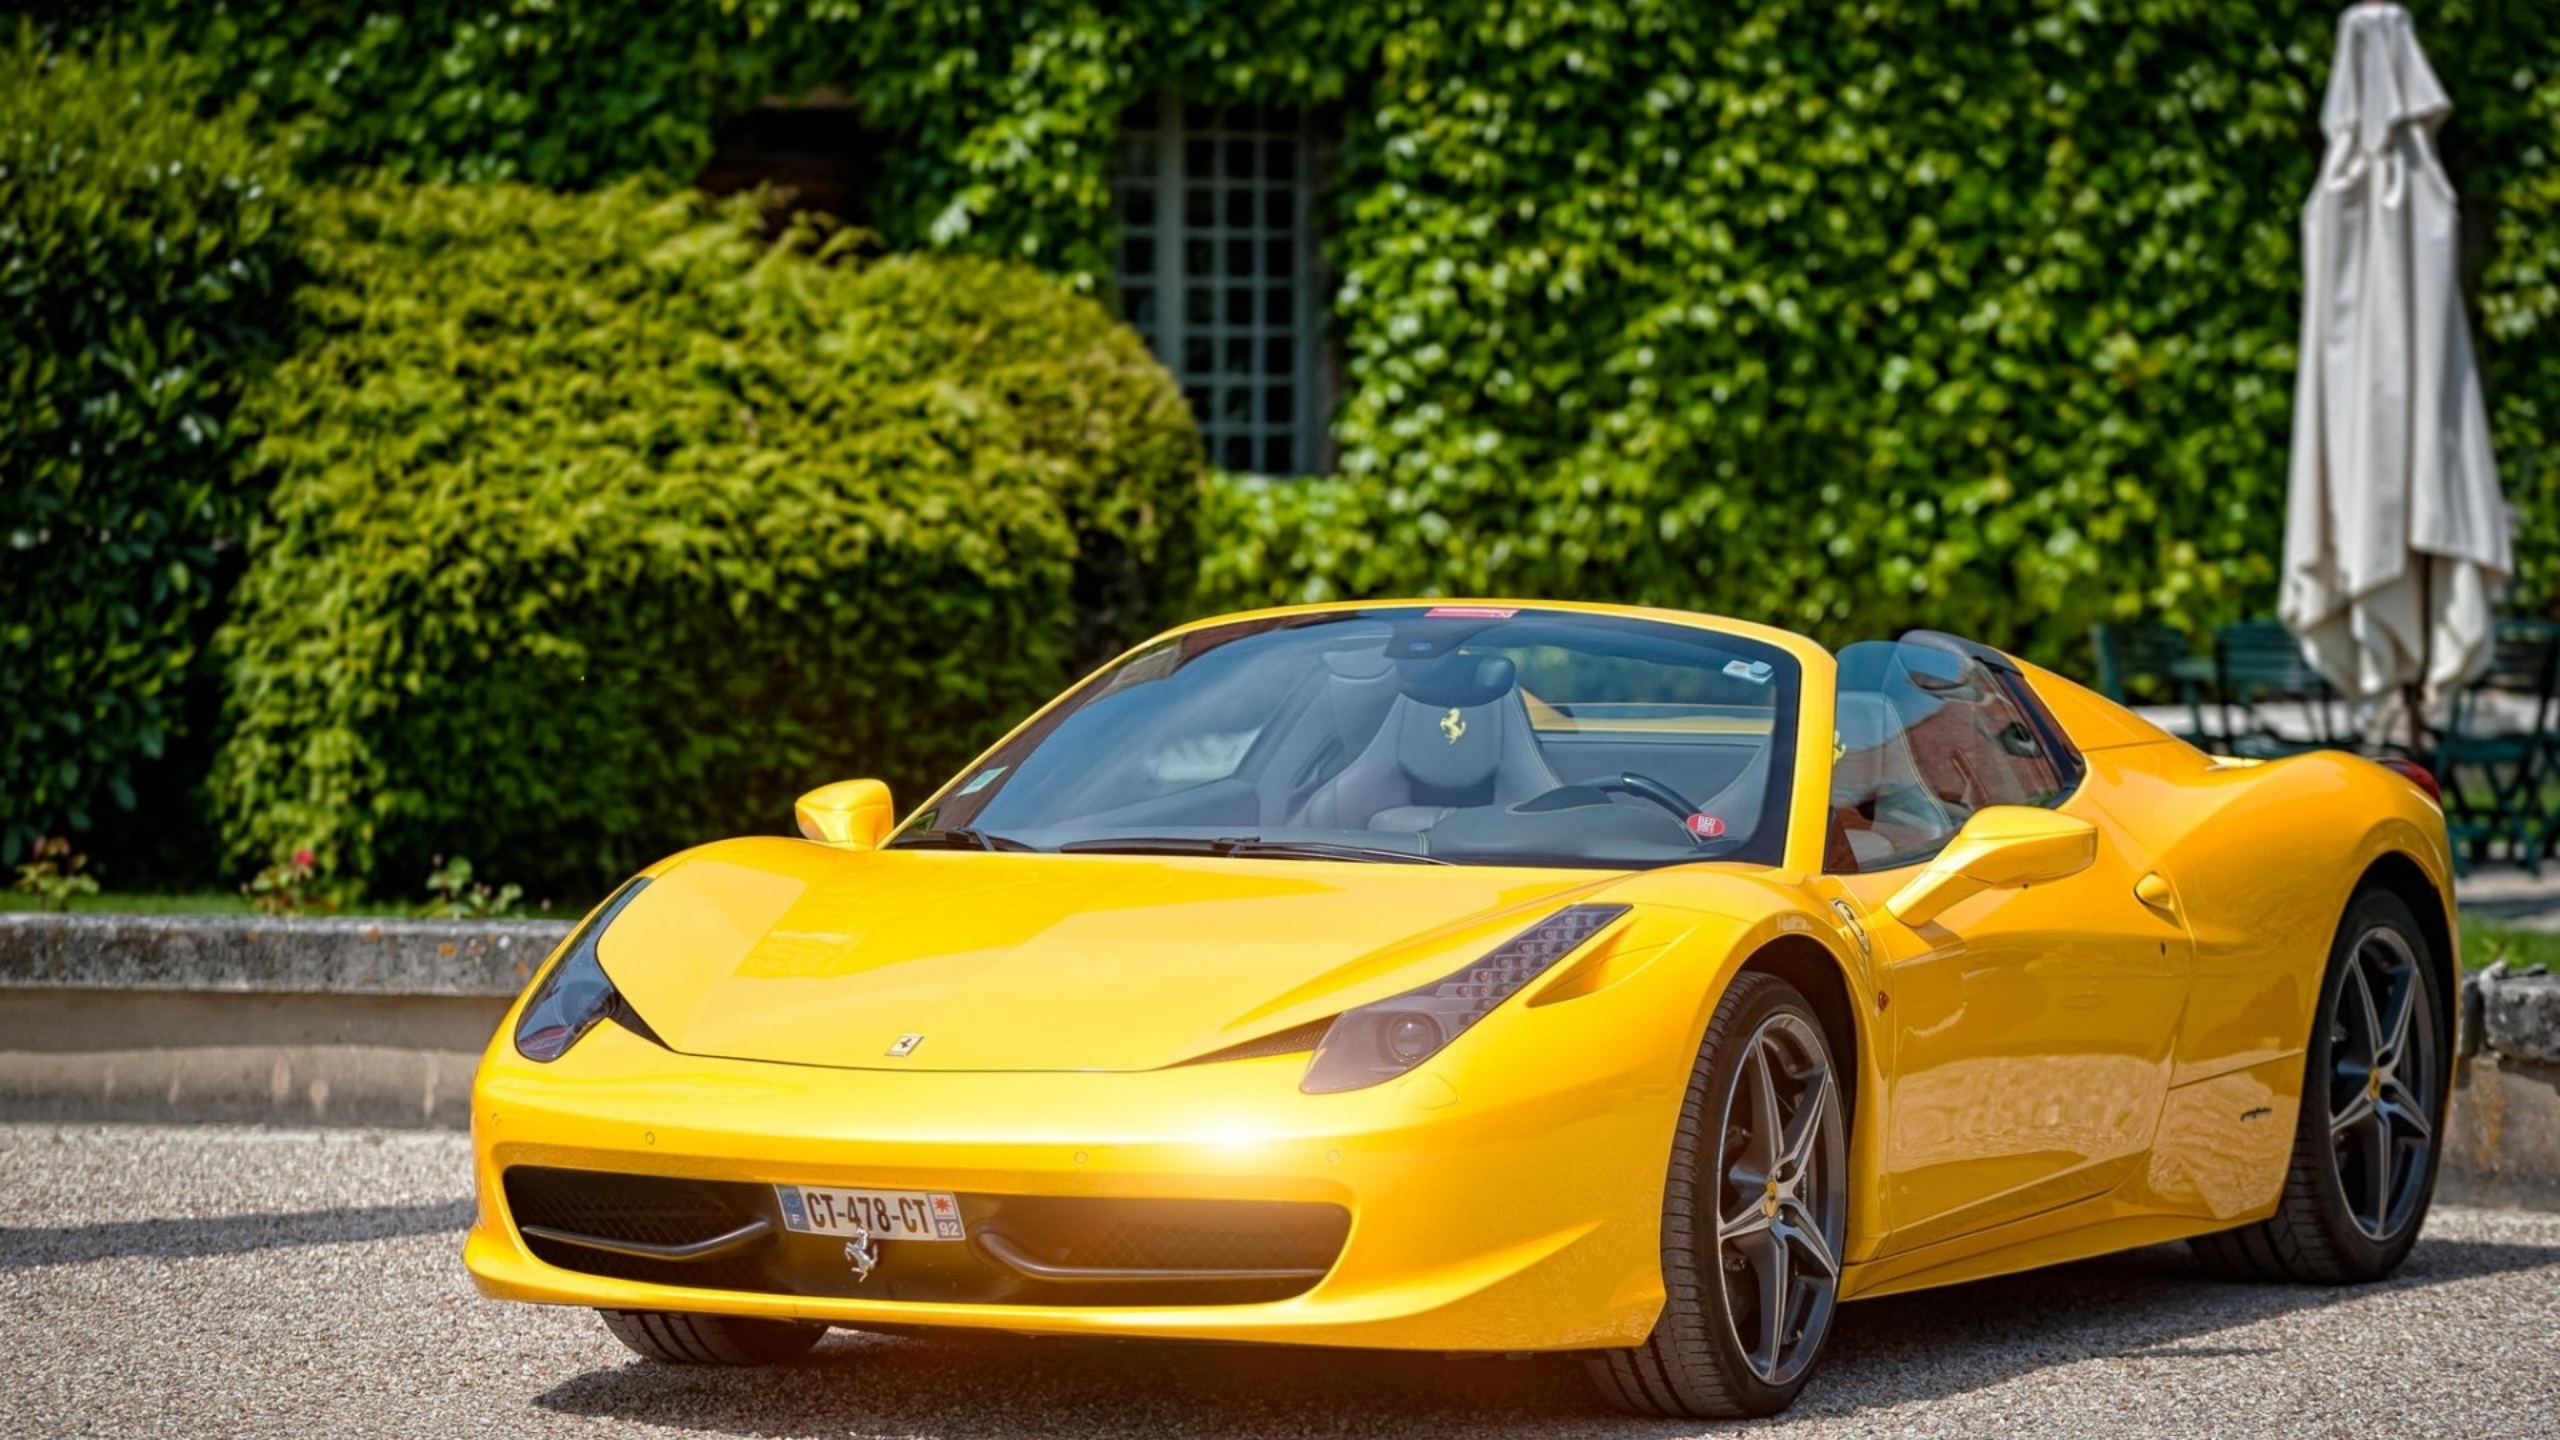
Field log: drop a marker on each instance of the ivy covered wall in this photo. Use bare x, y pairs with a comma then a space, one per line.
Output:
1844, 315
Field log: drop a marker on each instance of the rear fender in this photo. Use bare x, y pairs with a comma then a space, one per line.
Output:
2265, 860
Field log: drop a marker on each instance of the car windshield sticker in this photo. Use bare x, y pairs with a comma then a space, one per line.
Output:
1755, 671
1470, 612
1705, 827
982, 780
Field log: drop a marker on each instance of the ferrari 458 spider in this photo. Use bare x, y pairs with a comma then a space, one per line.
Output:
1488, 977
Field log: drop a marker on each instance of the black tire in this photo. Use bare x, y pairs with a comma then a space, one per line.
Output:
2366, 1145
677, 1339
1728, 1200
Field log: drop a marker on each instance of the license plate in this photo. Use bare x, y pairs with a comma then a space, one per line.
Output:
883, 1214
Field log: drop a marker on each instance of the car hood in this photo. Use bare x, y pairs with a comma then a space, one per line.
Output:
786, 951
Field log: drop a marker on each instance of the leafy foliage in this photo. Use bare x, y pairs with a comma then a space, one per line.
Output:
1853, 317
54, 875
1978, 313
2519, 300
997, 118
561, 93
141, 277
1847, 315
459, 897
291, 886
601, 527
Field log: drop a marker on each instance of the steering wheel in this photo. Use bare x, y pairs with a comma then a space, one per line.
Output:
1645, 787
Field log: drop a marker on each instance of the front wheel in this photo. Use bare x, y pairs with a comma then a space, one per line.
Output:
672, 1338
1753, 1219
2373, 1104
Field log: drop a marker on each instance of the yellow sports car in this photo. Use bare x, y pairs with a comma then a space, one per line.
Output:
1489, 977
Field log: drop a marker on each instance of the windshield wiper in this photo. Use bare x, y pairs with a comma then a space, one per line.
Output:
1249, 846
1331, 850
960, 839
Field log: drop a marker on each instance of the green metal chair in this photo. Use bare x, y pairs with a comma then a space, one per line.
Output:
2146, 662
2257, 663
2492, 773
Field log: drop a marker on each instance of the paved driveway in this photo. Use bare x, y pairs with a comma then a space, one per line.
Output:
247, 1282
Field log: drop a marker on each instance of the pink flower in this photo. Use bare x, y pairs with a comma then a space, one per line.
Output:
302, 858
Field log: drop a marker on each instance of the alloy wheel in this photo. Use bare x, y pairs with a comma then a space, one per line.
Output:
2383, 1065
1780, 1210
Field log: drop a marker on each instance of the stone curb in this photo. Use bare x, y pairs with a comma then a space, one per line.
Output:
2503, 1147
234, 1019
288, 956
2515, 1012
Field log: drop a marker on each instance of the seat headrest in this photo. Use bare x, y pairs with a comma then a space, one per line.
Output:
1449, 747
1464, 681
1364, 664
1864, 719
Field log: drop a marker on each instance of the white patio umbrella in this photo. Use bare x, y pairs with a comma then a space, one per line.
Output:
2395, 533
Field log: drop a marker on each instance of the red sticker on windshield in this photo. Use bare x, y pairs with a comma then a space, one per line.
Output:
1705, 827
1469, 612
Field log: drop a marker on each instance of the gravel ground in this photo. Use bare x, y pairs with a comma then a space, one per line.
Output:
254, 1282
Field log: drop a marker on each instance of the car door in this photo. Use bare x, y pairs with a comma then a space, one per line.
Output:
2030, 1028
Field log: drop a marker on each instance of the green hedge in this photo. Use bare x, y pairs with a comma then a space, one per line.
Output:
2519, 303
1972, 312
1855, 317
559, 93
601, 527
141, 277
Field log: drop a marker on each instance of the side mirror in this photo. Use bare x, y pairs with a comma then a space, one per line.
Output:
2002, 846
853, 814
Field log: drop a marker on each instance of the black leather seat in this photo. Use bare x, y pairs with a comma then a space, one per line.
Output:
1457, 735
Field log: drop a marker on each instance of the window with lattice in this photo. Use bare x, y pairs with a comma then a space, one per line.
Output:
1217, 271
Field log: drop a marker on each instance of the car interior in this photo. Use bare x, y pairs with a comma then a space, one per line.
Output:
1925, 737
1441, 750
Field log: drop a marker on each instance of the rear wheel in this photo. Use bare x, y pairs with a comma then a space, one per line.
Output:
678, 1339
1752, 1222
2365, 1147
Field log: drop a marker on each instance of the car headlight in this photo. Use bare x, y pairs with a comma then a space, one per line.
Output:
1383, 1040
577, 994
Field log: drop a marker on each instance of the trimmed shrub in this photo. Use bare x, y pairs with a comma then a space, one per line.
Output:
601, 528
142, 272
1118, 451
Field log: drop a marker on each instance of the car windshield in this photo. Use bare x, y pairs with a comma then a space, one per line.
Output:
1452, 734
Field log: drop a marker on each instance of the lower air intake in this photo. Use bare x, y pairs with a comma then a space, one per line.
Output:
1021, 1250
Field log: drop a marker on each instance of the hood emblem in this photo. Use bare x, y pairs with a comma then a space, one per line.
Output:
862, 1253
905, 1047
1453, 725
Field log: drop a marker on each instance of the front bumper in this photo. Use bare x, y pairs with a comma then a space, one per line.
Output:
1492, 1204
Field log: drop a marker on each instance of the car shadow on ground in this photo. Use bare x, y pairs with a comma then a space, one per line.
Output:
2156, 1304
33, 1246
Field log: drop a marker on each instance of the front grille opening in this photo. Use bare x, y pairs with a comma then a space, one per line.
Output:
641, 1209
1180, 1234
1192, 1239
645, 1209
1073, 1235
